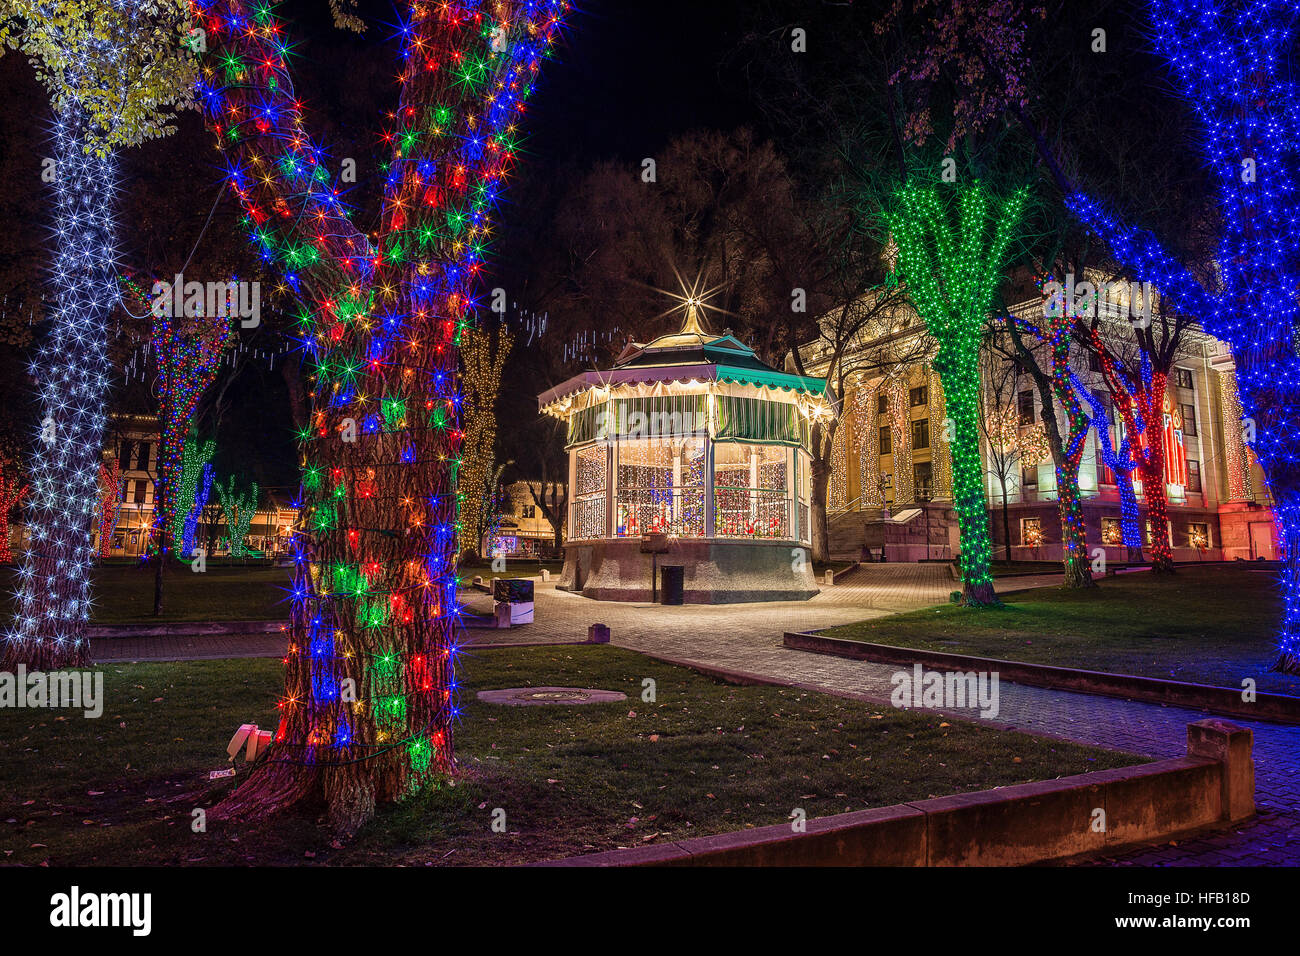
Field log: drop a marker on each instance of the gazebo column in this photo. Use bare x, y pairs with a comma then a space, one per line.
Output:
708, 487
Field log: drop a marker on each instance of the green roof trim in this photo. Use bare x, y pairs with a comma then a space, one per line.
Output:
775, 379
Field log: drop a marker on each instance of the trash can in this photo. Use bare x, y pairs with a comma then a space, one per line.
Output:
517, 594
672, 585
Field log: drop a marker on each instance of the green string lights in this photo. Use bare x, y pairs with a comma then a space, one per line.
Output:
952, 243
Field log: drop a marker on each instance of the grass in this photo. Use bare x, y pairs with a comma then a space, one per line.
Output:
1006, 569
513, 569
704, 758
123, 592
1211, 624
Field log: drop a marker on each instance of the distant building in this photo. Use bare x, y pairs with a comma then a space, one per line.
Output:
134, 440
525, 530
891, 487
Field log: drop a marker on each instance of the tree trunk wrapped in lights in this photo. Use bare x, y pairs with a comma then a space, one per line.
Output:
483, 361
952, 270
1233, 64
239, 510
12, 492
1056, 333
369, 702
53, 606
112, 492
111, 69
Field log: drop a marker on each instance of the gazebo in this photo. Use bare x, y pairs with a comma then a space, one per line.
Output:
689, 473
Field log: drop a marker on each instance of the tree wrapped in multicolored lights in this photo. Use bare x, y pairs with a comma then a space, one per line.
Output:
112, 490
187, 351
12, 492
111, 68
238, 509
952, 246
1233, 62
1123, 461
368, 706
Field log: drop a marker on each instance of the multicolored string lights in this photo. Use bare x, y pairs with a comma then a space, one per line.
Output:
369, 698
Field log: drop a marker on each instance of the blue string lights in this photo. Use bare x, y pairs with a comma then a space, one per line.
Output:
1231, 63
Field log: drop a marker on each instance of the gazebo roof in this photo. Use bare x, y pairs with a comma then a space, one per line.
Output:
691, 355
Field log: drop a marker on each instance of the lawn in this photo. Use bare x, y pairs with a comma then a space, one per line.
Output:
123, 592
1207, 624
704, 757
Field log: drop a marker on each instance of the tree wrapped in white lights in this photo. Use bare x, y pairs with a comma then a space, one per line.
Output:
111, 68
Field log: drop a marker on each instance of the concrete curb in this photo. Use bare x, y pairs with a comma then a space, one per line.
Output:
184, 629
1279, 708
1009, 826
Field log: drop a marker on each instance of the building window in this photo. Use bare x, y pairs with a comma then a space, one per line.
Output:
1198, 536
1189, 420
921, 433
139, 492
142, 457
1029, 476
1112, 533
922, 480
882, 404
118, 539
1183, 377
1025, 405
886, 481
919, 396
1031, 532
528, 511
1094, 362
124, 454
1193, 475
886, 441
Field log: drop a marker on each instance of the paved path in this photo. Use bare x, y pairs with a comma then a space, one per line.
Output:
748, 638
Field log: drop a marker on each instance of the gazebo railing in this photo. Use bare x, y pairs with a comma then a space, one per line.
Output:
587, 518
659, 511
751, 513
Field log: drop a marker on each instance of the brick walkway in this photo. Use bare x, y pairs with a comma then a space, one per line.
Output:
748, 638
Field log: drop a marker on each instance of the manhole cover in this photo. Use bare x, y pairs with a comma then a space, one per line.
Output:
550, 695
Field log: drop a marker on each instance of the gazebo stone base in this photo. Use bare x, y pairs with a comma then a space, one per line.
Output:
716, 571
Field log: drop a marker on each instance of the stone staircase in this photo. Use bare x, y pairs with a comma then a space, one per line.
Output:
852, 534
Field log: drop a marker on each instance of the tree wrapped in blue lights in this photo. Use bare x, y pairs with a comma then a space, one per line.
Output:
1121, 460
369, 704
952, 246
1233, 64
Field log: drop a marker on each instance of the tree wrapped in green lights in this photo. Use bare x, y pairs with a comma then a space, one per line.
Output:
952, 244
192, 481
239, 509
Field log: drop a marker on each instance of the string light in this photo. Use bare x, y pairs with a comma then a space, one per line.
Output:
11, 494
239, 510
381, 318
1232, 65
952, 271
72, 369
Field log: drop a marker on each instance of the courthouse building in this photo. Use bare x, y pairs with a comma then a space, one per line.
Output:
891, 488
